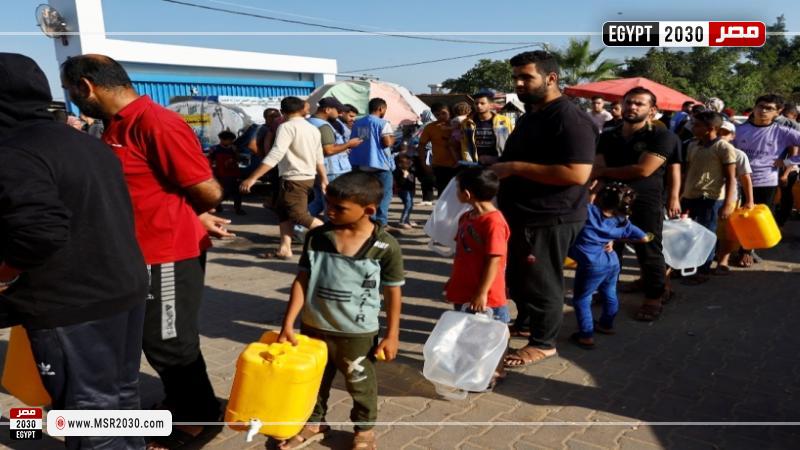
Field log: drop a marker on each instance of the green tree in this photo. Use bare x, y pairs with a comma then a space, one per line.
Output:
486, 74
579, 64
737, 76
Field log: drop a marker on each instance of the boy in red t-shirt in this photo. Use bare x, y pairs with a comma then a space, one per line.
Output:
478, 277
225, 163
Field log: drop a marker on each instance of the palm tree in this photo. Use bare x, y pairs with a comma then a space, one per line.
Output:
579, 64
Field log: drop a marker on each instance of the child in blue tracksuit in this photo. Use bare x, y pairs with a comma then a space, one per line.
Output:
599, 268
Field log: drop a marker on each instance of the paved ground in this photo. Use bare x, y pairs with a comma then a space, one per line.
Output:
725, 351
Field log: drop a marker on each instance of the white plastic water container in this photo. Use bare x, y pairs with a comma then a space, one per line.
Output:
442, 225
687, 245
463, 352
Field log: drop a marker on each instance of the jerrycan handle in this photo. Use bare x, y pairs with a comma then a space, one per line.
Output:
488, 314
688, 272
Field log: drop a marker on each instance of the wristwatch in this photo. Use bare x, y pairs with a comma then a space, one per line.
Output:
5, 284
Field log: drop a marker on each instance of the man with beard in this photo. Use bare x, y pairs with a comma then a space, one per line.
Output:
70, 269
637, 154
348, 117
484, 133
172, 189
543, 170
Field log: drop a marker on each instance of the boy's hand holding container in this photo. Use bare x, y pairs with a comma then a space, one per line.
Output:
287, 334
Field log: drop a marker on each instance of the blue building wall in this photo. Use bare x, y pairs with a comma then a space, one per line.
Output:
161, 88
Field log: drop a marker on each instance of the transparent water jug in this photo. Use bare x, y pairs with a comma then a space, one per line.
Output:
687, 245
755, 228
276, 384
463, 352
442, 225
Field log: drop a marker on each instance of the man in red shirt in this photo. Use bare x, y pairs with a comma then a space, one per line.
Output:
170, 184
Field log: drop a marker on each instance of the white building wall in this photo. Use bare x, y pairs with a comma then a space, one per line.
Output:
86, 16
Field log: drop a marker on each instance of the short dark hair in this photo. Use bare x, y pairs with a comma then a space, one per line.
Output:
615, 103
226, 134
617, 197
348, 108
771, 98
687, 103
482, 183
99, 69
291, 105
697, 109
358, 187
404, 156
483, 94
376, 104
709, 118
642, 91
545, 62
270, 111
598, 97
436, 107
789, 107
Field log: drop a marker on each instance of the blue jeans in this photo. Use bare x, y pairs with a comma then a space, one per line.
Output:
589, 279
317, 206
408, 205
386, 179
704, 211
500, 313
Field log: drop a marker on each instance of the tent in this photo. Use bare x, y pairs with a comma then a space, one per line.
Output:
404, 108
668, 99
207, 116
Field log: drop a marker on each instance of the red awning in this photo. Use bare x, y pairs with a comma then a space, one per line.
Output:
668, 99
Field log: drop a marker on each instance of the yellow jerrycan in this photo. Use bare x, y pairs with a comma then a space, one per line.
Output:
276, 385
755, 228
20, 374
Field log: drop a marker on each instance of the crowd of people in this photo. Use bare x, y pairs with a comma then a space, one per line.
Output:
105, 240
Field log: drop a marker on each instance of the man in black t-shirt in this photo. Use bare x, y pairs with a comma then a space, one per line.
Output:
639, 154
544, 170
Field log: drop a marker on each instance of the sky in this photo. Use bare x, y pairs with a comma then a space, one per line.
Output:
358, 52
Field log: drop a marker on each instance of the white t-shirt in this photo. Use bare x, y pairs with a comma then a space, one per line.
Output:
600, 119
742, 164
